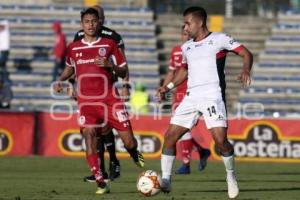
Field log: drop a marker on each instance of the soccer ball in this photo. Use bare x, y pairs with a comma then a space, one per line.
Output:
148, 183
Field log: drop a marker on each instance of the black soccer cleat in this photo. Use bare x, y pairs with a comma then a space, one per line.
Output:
92, 179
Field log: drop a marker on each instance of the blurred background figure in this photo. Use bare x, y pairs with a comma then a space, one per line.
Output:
139, 100
59, 49
6, 94
4, 47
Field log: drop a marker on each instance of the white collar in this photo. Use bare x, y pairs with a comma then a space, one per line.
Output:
90, 43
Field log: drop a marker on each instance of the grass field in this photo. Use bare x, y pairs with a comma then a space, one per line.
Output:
36, 178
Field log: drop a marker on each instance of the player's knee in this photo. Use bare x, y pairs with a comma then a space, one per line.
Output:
88, 133
224, 145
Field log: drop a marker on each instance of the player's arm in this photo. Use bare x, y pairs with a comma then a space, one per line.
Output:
125, 93
229, 43
169, 77
121, 71
244, 77
177, 80
121, 45
66, 74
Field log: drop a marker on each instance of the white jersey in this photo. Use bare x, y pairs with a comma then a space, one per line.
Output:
200, 59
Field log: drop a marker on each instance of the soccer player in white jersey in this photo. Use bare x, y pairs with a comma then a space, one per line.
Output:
204, 96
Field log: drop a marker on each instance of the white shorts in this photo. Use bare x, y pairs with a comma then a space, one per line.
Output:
186, 136
191, 108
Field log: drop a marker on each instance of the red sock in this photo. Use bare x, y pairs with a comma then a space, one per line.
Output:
186, 150
93, 162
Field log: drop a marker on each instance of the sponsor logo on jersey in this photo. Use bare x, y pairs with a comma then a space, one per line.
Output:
6, 142
72, 143
232, 41
82, 61
263, 141
102, 51
106, 32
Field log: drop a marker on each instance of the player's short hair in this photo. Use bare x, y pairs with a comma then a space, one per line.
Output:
100, 11
90, 11
197, 12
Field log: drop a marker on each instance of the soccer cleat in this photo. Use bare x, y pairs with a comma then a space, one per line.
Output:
204, 154
102, 188
184, 169
114, 170
91, 178
233, 189
139, 160
165, 185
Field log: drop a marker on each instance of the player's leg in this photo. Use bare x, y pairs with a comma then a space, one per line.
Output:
118, 119
100, 150
216, 121
168, 155
183, 120
93, 159
114, 164
186, 145
227, 154
130, 143
203, 155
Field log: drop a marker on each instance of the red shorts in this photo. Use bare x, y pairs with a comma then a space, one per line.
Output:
97, 115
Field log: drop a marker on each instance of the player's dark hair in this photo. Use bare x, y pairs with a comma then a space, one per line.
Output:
197, 12
90, 11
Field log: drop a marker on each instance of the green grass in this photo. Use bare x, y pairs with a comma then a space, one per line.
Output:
37, 178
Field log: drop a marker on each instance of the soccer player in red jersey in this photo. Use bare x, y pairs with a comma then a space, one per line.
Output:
187, 142
107, 141
98, 100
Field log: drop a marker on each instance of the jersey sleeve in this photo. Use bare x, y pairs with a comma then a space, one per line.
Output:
172, 61
69, 59
229, 43
184, 60
120, 41
117, 56
78, 36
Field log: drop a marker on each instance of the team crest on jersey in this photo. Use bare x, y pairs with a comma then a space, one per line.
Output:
102, 51
81, 120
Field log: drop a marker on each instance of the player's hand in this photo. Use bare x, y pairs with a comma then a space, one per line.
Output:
244, 78
57, 87
102, 62
160, 94
71, 92
125, 93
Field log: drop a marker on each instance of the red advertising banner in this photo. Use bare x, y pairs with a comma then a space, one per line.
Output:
265, 140
16, 133
58, 135
274, 140
254, 140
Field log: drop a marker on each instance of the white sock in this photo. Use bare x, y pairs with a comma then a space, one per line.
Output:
229, 163
167, 162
